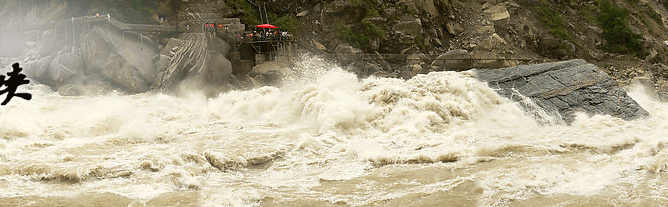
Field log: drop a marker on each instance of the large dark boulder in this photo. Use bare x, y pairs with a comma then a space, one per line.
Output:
195, 61
127, 62
564, 87
105, 58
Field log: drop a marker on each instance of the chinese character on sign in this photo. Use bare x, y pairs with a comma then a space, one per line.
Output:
12, 83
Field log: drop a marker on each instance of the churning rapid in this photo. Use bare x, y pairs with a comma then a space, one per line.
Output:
327, 138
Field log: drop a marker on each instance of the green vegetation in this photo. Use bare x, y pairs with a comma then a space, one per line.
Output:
288, 22
347, 34
617, 33
419, 42
249, 14
665, 4
407, 10
360, 34
553, 20
589, 12
655, 16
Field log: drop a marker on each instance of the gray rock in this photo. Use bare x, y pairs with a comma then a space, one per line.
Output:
453, 60
415, 69
409, 4
65, 66
127, 63
454, 28
319, 45
217, 70
662, 90
409, 26
375, 20
374, 44
494, 41
196, 62
658, 71
428, 6
56, 70
498, 12
346, 54
488, 59
554, 47
382, 61
371, 68
415, 59
663, 96
38, 70
303, 13
564, 87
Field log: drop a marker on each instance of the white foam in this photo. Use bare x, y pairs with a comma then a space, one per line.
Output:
330, 126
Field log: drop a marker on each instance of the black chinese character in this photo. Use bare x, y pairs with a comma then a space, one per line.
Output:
15, 80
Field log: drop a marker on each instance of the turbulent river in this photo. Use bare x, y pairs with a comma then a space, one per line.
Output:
326, 138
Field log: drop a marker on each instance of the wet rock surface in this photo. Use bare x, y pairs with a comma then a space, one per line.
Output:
565, 87
192, 59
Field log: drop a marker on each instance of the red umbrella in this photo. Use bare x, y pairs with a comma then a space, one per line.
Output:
266, 26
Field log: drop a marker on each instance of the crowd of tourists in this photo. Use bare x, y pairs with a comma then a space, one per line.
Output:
267, 35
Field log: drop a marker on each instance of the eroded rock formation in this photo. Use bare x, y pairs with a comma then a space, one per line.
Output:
199, 60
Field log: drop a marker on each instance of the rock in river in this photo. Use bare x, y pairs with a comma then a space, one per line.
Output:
565, 87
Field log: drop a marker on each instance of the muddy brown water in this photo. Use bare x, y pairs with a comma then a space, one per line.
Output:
326, 139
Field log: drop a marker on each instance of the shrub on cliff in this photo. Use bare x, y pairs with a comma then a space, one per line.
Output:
617, 33
287, 22
362, 32
553, 20
246, 12
359, 35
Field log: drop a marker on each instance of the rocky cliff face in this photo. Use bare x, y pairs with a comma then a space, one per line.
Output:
624, 38
102, 59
